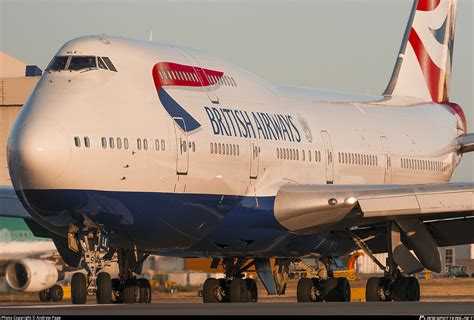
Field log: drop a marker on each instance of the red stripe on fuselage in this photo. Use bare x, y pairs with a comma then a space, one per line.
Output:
431, 72
427, 5
174, 74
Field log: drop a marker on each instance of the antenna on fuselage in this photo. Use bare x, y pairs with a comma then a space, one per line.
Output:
150, 36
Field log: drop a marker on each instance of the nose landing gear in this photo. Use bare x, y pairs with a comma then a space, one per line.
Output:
125, 289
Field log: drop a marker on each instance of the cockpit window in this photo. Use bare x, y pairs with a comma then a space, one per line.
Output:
77, 63
82, 62
101, 63
109, 64
58, 63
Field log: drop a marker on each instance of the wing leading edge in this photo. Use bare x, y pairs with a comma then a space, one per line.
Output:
313, 208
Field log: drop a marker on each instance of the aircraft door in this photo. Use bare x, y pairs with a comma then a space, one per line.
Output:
388, 160
182, 147
254, 158
329, 157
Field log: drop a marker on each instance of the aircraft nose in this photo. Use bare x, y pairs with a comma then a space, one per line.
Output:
38, 152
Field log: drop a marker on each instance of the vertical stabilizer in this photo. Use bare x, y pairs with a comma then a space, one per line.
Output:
423, 68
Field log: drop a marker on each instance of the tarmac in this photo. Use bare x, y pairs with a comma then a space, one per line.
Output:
322, 308
440, 297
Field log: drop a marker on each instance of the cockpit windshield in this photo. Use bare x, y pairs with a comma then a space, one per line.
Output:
77, 63
58, 63
82, 62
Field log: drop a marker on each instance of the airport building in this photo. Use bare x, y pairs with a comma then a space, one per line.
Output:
18, 79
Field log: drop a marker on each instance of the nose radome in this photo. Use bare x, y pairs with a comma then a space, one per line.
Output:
38, 152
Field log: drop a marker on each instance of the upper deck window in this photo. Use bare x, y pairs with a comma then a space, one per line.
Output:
82, 62
58, 63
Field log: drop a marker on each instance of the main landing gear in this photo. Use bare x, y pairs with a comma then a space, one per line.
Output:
324, 287
394, 285
125, 289
232, 288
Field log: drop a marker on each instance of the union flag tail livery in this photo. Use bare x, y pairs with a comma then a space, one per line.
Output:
423, 68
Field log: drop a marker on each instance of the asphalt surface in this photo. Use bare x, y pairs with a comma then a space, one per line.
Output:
324, 308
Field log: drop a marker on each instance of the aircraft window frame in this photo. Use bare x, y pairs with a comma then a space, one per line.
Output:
145, 144
139, 143
87, 142
309, 155
91, 64
109, 64
55, 58
111, 143
125, 143
157, 145
101, 64
104, 142
119, 143
77, 142
303, 155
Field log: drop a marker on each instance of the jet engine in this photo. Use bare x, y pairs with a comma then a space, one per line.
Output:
31, 275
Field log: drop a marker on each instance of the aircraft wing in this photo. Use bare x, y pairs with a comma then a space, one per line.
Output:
10, 206
447, 209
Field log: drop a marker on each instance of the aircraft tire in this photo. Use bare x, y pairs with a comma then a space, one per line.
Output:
252, 290
131, 292
56, 293
343, 290
238, 291
44, 295
78, 288
331, 289
103, 294
145, 290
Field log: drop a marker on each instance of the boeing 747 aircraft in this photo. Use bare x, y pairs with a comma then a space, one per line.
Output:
141, 148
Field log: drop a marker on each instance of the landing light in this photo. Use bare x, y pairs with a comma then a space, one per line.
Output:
350, 201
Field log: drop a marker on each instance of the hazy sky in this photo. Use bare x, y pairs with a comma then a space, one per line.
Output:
347, 45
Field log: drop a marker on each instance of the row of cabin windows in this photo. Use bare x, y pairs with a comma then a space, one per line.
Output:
294, 154
426, 165
225, 148
194, 77
359, 159
120, 143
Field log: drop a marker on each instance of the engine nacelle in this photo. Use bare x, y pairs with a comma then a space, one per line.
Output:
31, 275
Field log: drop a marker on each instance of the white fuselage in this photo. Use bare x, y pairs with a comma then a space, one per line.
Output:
342, 141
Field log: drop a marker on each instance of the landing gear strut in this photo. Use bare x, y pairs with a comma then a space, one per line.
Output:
324, 287
125, 289
394, 285
232, 288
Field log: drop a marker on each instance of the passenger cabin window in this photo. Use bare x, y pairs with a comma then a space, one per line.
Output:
82, 62
77, 141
